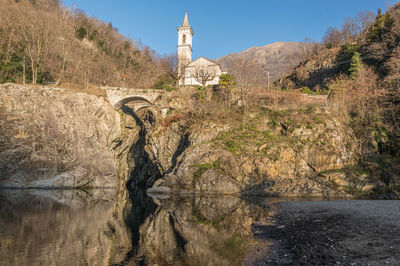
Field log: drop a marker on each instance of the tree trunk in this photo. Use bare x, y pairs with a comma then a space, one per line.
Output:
33, 72
24, 70
36, 74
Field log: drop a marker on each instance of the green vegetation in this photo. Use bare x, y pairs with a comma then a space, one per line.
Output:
306, 90
227, 81
201, 93
355, 65
383, 25
202, 168
267, 130
165, 82
345, 55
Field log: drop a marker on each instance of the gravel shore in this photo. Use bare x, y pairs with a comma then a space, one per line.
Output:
338, 232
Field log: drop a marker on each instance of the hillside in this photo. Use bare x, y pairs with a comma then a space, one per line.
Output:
44, 42
278, 58
363, 70
376, 43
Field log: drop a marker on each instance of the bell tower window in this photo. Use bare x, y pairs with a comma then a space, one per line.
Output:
184, 39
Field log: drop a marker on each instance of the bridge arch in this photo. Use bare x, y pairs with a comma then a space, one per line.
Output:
139, 98
138, 101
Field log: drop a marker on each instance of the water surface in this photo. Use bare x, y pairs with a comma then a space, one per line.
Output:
75, 227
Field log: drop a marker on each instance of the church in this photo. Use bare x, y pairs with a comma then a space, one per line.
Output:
201, 71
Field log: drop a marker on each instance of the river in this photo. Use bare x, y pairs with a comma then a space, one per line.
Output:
94, 227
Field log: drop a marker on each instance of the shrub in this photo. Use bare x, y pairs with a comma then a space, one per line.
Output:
306, 90
164, 82
201, 93
81, 33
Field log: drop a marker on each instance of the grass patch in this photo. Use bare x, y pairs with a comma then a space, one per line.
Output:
202, 168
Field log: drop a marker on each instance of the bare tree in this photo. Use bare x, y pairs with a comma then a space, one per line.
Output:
34, 31
247, 72
247, 77
350, 29
170, 66
365, 19
332, 37
203, 75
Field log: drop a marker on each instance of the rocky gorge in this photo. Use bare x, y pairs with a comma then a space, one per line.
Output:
52, 137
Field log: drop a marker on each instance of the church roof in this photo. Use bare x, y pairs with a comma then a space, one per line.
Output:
185, 21
193, 63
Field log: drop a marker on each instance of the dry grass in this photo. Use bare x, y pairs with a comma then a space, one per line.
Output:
241, 109
80, 88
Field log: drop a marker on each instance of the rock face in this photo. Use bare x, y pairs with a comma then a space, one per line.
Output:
274, 156
51, 137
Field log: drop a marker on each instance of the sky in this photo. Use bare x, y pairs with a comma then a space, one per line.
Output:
224, 26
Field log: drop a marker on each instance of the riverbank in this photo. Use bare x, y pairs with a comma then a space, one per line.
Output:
330, 233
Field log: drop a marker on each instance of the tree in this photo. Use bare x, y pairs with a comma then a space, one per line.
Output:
33, 28
224, 89
365, 19
332, 38
383, 24
203, 74
169, 65
355, 65
350, 29
344, 57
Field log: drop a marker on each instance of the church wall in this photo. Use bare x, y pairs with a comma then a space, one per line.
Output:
201, 64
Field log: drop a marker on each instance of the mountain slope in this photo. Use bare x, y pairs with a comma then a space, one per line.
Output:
277, 58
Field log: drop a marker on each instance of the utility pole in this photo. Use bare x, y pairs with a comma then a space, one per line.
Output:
268, 79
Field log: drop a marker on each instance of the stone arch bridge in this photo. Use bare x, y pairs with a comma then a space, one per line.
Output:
140, 98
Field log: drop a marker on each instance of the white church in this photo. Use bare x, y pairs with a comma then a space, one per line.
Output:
198, 72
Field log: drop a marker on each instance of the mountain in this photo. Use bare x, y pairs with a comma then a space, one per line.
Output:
278, 58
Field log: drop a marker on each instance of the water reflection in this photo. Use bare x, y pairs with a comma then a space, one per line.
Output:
70, 227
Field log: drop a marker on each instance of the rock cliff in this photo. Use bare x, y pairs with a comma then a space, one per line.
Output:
52, 137
57, 138
288, 152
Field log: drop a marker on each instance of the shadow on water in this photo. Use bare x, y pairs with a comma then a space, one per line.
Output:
139, 206
137, 210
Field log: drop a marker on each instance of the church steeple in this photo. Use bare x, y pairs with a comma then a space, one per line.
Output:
185, 35
185, 21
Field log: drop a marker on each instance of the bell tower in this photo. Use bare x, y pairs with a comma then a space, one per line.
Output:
185, 34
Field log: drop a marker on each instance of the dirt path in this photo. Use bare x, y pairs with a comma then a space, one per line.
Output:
331, 233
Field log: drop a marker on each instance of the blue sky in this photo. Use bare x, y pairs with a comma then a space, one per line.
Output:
224, 26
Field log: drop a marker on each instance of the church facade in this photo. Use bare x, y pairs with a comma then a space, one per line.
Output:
201, 71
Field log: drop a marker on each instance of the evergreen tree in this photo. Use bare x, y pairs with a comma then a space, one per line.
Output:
383, 24
344, 57
355, 65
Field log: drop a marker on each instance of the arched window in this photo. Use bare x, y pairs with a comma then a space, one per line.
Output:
184, 39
